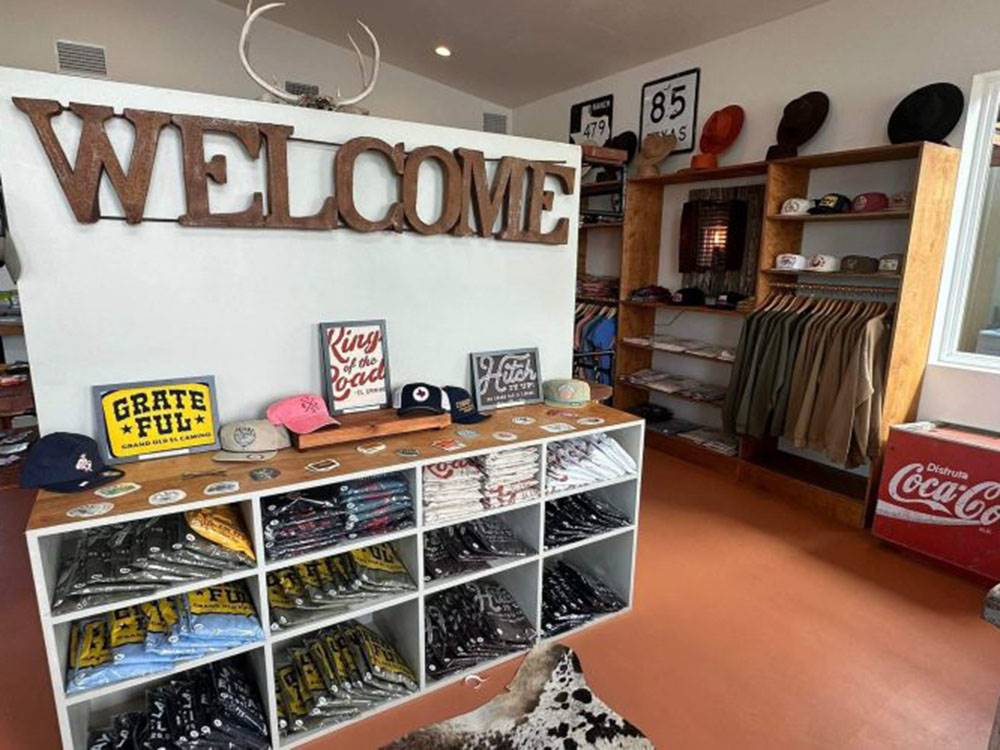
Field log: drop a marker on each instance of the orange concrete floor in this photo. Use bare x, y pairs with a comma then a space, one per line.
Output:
757, 625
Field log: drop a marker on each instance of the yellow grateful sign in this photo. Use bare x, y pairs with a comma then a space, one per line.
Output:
157, 418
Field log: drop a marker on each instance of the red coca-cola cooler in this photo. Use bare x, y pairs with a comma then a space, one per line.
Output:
940, 495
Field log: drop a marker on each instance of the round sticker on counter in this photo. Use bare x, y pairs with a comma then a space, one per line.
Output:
264, 473
523, 420
370, 449
408, 452
166, 497
221, 488
505, 436
556, 427
89, 510
590, 421
467, 434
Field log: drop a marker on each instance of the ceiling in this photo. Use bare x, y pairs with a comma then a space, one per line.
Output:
516, 51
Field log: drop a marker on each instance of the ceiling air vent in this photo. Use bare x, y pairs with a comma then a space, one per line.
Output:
79, 59
301, 89
494, 122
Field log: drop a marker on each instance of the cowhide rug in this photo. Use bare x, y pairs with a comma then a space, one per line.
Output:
547, 706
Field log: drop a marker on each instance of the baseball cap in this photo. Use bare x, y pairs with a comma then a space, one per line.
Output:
566, 392
795, 206
414, 398
66, 462
688, 296
251, 440
870, 202
463, 408
832, 203
301, 414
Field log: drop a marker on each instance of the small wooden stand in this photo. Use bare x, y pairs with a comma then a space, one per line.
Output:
366, 425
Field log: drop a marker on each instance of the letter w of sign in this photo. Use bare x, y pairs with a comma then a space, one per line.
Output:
95, 156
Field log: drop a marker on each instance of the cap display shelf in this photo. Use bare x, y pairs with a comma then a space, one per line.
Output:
926, 221
400, 616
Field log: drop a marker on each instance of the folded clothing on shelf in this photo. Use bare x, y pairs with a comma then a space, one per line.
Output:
469, 546
303, 592
302, 522
215, 706
471, 623
125, 560
651, 293
153, 636
673, 426
571, 597
452, 489
334, 674
716, 440
570, 519
597, 286
510, 476
664, 382
585, 460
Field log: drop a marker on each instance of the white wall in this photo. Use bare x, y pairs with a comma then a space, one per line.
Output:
109, 302
866, 56
192, 45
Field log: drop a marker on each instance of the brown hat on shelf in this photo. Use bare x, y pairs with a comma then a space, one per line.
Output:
655, 148
719, 133
801, 120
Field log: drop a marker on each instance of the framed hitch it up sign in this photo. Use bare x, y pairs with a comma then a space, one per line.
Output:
355, 365
509, 377
156, 418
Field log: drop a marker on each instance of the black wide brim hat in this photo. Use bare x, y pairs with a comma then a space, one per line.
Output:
626, 141
802, 118
928, 114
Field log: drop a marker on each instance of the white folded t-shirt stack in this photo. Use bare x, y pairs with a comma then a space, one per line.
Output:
510, 477
452, 489
586, 460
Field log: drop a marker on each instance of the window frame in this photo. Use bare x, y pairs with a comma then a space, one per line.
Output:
966, 223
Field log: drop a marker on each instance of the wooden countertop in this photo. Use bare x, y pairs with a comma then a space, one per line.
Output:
49, 513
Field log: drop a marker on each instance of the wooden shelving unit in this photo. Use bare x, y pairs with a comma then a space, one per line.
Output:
840, 494
609, 556
615, 160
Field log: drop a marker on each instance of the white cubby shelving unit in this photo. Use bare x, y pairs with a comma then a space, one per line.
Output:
400, 617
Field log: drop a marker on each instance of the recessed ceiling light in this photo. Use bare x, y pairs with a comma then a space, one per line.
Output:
442, 51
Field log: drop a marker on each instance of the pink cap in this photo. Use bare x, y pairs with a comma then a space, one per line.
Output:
301, 414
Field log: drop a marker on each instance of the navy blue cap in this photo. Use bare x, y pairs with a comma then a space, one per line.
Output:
415, 398
66, 462
463, 408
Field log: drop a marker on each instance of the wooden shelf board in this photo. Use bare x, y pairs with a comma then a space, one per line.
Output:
11, 329
596, 300
687, 176
869, 155
370, 425
888, 214
601, 187
692, 452
609, 157
894, 277
711, 404
688, 308
821, 488
601, 225
646, 347
593, 539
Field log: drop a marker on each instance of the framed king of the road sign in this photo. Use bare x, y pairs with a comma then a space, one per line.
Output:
156, 418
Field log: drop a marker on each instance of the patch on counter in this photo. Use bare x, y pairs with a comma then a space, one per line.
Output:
166, 497
89, 510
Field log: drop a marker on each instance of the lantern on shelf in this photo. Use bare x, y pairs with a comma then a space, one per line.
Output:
713, 236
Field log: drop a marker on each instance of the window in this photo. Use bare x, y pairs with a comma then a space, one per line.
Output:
968, 325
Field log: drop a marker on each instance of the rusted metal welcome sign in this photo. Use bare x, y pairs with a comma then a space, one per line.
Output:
516, 195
